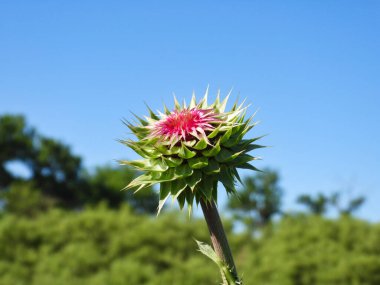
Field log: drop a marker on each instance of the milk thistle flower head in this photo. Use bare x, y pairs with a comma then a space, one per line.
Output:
190, 149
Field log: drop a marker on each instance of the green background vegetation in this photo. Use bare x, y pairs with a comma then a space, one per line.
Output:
63, 224
103, 246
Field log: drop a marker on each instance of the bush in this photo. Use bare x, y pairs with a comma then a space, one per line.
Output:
315, 251
112, 247
101, 246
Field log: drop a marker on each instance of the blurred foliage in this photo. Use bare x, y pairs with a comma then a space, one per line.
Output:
106, 184
319, 204
316, 205
258, 201
58, 175
103, 246
313, 250
55, 171
23, 199
106, 238
352, 205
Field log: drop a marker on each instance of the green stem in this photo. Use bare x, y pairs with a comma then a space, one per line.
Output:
219, 238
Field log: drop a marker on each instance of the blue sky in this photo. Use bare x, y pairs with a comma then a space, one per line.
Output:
75, 68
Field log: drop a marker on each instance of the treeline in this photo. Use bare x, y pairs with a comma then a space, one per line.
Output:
117, 247
56, 177
63, 224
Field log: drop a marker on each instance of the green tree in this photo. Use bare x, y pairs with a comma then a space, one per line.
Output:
100, 246
23, 199
258, 201
106, 184
55, 171
16, 144
316, 205
350, 207
58, 175
310, 249
319, 204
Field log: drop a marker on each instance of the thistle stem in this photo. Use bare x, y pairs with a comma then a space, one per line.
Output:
218, 237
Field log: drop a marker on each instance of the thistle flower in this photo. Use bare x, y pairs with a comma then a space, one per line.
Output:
189, 150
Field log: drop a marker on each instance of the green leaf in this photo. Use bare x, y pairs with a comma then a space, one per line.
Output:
148, 165
241, 159
166, 110
198, 162
222, 106
248, 166
214, 132
226, 136
177, 186
189, 198
174, 150
206, 187
145, 179
213, 167
183, 170
167, 175
151, 113
165, 189
177, 104
209, 252
253, 147
140, 164
173, 161
232, 141
194, 179
136, 148
136, 130
198, 197
152, 152
203, 103
225, 155
202, 144
162, 149
227, 180
193, 102
156, 176
146, 152
213, 151
185, 152
216, 103
236, 174
158, 165
181, 199
245, 143
190, 143
139, 186
142, 121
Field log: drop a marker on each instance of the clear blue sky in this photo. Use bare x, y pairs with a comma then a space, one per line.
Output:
75, 68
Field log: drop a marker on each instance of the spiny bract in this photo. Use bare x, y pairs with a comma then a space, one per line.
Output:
189, 150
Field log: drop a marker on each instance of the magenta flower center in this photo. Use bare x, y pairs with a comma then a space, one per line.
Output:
185, 124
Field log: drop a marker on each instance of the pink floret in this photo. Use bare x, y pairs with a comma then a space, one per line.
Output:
185, 124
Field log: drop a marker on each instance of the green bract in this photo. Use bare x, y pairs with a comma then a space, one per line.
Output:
189, 150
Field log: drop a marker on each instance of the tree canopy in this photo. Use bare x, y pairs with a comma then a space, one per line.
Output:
258, 200
58, 174
112, 247
106, 240
320, 203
